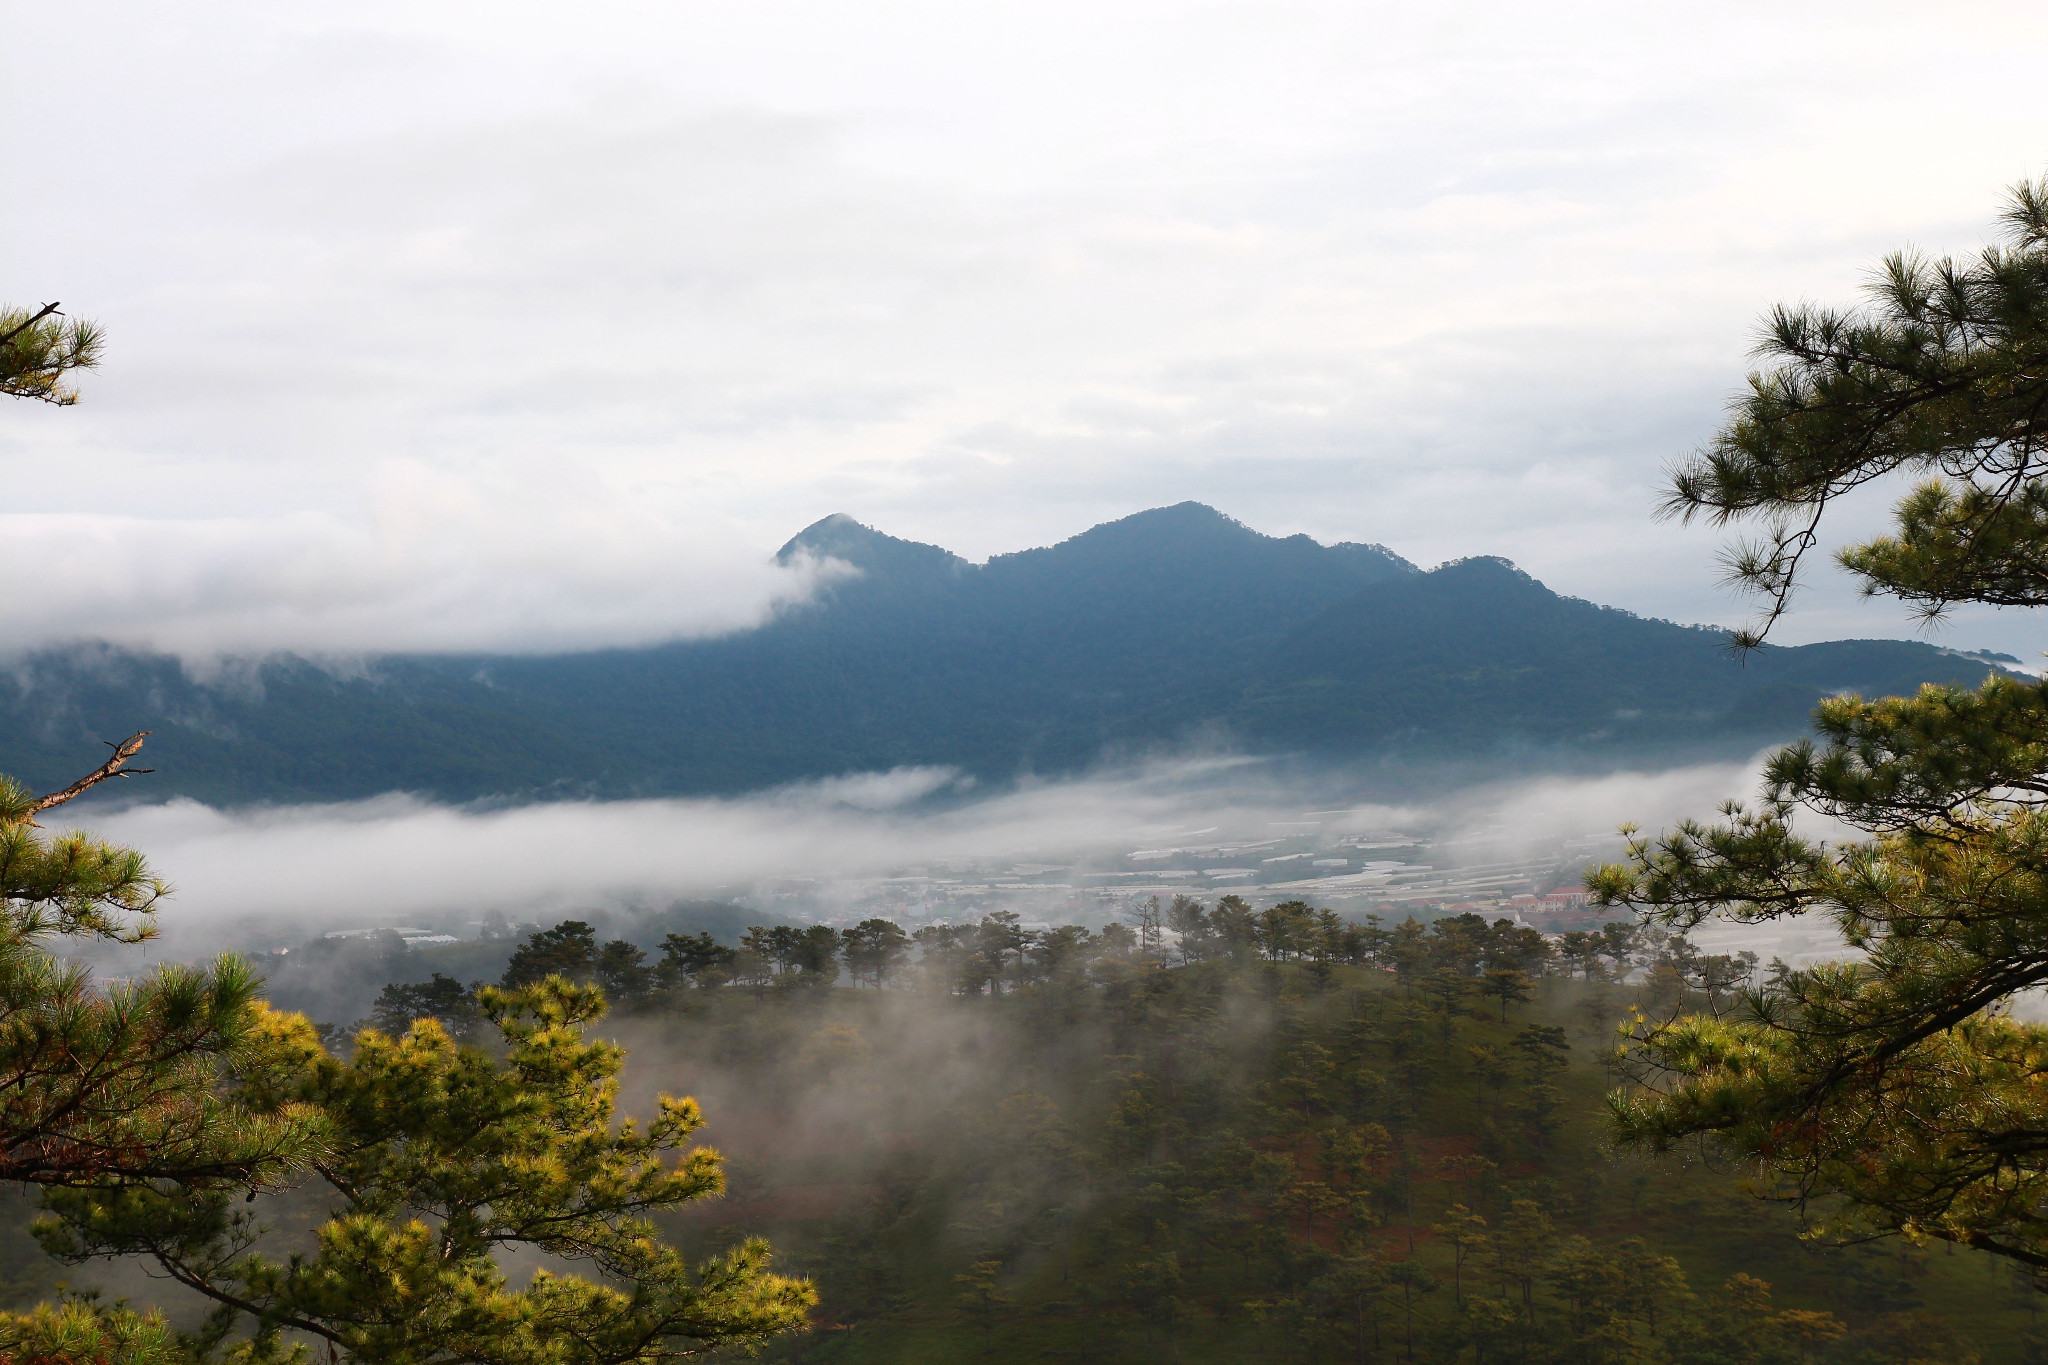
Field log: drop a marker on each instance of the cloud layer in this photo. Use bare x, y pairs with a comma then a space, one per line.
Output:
432, 569
461, 326
396, 859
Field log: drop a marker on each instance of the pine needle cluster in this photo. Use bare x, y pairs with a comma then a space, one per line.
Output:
41, 348
1895, 1092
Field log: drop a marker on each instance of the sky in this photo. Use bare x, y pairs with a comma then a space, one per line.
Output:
539, 327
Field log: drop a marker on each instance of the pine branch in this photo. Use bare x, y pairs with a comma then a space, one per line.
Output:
49, 310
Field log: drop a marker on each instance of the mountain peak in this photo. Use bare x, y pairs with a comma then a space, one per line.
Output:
824, 536
1181, 520
1196, 534
840, 537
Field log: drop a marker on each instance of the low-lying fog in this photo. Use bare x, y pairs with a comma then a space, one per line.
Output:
1054, 850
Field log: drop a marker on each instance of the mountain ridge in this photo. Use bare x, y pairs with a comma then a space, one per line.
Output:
1133, 635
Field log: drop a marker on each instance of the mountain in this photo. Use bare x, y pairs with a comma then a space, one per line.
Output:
1174, 623
1478, 654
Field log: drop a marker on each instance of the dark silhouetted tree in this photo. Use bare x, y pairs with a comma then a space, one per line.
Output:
620, 969
694, 960
443, 998
874, 949
568, 950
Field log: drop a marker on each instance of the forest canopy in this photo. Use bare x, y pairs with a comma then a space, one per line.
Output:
1220, 1132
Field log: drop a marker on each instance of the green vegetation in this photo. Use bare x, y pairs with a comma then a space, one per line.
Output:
128, 1087
40, 349
406, 1184
439, 1163
1220, 1134
1898, 1088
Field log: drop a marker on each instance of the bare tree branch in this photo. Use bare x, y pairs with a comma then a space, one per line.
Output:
115, 766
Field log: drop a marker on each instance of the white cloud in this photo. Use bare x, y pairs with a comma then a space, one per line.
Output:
431, 566
395, 858
468, 326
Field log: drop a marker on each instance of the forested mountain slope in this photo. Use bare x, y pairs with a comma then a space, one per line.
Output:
1140, 633
1478, 654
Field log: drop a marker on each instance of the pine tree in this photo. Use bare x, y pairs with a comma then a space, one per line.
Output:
40, 349
979, 1299
1235, 925
873, 950
1347, 1298
140, 1085
1464, 1232
568, 950
1519, 1248
1150, 922
1898, 1082
1411, 1281
443, 998
695, 960
1580, 949
1193, 930
440, 1160
133, 1082
1507, 985
621, 972
817, 954
1653, 1284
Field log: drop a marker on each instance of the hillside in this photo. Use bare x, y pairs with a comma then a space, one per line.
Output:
1230, 1162
1287, 1137
1144, 632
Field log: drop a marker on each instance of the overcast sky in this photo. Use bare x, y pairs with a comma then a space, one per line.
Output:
532, 326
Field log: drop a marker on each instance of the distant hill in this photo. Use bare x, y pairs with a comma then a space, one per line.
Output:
1141, 633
